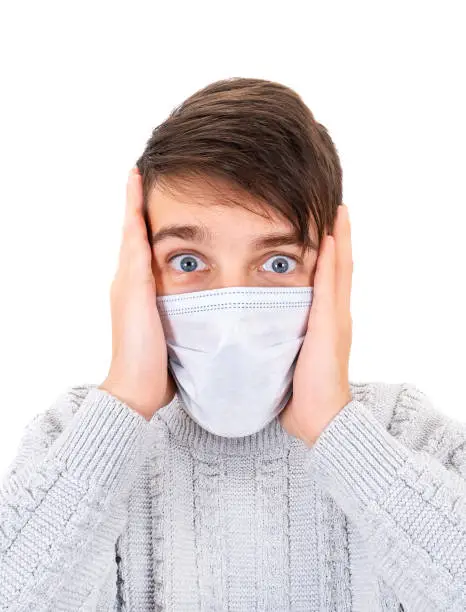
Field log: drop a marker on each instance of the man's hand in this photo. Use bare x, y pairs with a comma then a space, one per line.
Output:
320, 382
138, 373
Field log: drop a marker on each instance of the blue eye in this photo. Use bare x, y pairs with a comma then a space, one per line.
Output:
188, 262
281, 265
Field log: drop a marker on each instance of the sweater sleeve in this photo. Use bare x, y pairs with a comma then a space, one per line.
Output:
404, 487
62, 500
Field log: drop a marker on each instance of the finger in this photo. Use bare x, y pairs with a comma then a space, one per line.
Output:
134, 229
343, 260
323, 298
133, 194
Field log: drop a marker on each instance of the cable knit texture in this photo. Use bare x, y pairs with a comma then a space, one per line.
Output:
102, 510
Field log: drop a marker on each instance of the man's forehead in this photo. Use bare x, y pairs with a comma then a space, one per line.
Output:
210, 197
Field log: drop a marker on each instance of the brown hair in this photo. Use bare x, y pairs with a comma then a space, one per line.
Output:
259, 136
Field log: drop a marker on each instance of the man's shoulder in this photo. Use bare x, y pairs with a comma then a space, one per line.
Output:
54, 419
380, 397
42, 430
410, 415
395, 403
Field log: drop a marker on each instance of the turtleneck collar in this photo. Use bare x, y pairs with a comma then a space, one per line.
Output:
189, 433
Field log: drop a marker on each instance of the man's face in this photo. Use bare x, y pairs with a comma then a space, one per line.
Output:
228, 257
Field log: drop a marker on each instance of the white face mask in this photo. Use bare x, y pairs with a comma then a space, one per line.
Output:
232, 352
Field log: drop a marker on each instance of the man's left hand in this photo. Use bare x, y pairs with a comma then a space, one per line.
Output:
320, 381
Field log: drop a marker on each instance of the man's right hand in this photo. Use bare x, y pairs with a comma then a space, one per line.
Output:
138, 372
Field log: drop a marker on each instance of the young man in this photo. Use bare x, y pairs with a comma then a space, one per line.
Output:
226, 462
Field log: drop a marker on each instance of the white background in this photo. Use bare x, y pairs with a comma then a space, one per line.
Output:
83, 85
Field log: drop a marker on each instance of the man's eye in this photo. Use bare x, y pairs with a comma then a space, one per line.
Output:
187, 261
280, 264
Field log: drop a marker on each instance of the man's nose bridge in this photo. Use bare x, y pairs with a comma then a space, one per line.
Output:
233, 281
237, 280
231, 274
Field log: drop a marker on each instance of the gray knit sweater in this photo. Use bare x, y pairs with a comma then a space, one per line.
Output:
104, 510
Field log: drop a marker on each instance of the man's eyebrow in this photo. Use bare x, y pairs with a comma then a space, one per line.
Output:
202, 234
194, 233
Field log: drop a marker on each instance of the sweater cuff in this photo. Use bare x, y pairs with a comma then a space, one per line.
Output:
355, 459
104, 442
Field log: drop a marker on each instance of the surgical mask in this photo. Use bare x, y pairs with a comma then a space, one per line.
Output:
232, 353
